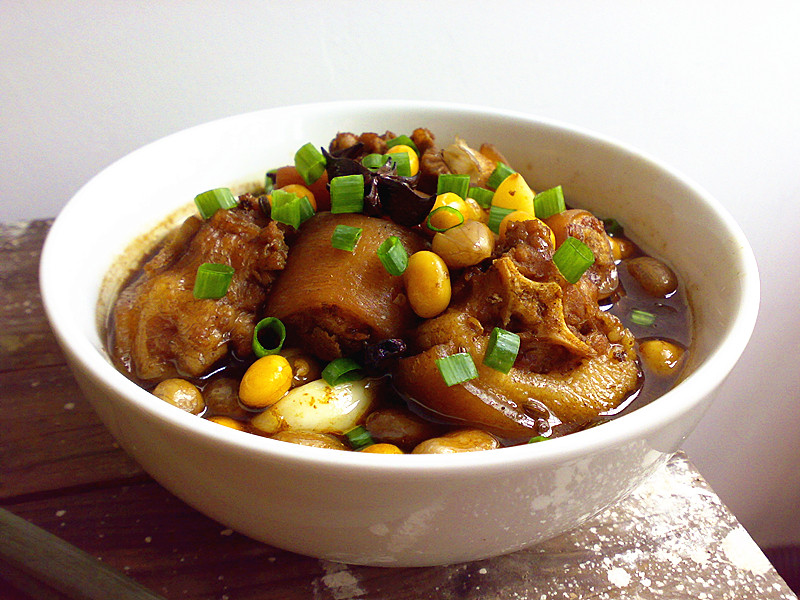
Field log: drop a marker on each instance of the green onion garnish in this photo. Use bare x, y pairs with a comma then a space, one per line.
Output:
537, 438
309, 162
209, 202
212, 280
393, 255
451, 182
502, 350
496, 216
457, 368
500, 172
402, 163
374, 161
549, 202
342, 370
444, 209
481, 195
642, 317
359, 437
345, 237
613, 227
272, 331
403, 140
347, 194
573, 258
290, 208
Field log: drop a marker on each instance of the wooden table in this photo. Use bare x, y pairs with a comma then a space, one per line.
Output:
62, 471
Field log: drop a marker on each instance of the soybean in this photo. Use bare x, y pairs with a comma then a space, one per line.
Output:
656, 278
462, 440
181, 393
265, 381
427, 282
465, 245
661, 356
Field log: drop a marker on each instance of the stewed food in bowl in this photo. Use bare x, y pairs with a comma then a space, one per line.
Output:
389, 293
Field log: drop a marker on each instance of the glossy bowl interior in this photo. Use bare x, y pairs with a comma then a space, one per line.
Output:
385, 509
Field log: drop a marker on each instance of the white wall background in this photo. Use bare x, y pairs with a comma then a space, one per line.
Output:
712, 88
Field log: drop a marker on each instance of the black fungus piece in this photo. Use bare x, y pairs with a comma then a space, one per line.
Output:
376, 355
402, 203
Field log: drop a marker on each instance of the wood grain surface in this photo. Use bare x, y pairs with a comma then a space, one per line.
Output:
61, 471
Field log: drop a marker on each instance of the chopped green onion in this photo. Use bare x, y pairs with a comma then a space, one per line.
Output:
209, 202
452, 182
402, 140
500, 172
402, 163
359, 437
642, 317
272, 331
290, 208
457, 368
449, 210
393, 255
342, 370
345, 237
347, 194
212, 280
309, 162
496, 216
537, 438
573, 258
549, 202
481, 195
374, 161
502, 350
613, 227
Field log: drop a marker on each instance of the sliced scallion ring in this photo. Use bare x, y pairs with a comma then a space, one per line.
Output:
268, 336
444, 209
452, 182
342, 370
457, 368
402, 140
502, 350
374, 161
359, 437
345, 237
212, 280
549, 202
290, 208
309, 162
496, 216
402, 163
573, 258
347, 194
393, 255
642, 317
211, 201
481, 195
500, 172
537, 438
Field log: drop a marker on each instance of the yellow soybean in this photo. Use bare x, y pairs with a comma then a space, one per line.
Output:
427, 283
266, 381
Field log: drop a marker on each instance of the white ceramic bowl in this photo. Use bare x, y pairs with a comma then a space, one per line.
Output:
408, 510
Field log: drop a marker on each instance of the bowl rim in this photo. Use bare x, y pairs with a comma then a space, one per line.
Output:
635, 424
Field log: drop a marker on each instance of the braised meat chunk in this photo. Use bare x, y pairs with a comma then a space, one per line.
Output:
334, 302
574, 361
159, 329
